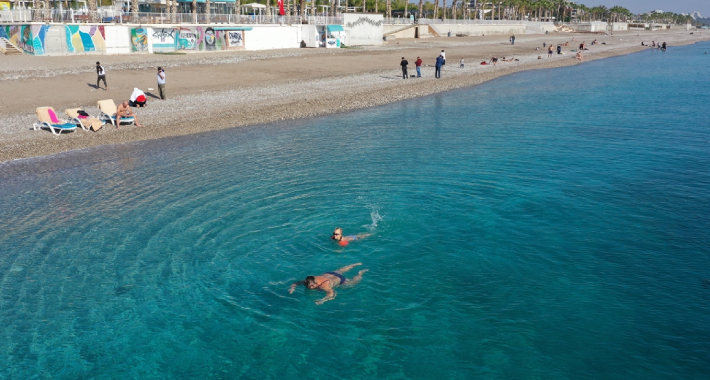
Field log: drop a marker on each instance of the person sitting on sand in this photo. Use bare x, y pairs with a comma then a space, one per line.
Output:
124, 110
345, 240
579, 56
494, 60
329, 280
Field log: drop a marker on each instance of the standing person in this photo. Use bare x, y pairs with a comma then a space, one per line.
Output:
439, 63
461, 63
329, 280
404, 64
443, 57
549, 52
418, 63
559, 49
512, 39
101, 76
161, 83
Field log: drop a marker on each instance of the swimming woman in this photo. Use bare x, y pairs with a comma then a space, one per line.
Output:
329, 280
345, 240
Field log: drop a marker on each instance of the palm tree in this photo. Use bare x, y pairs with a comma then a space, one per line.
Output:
92, 10
436, 9
134, 11
207, 10
194, 10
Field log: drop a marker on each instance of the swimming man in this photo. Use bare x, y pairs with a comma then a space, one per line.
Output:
345, 240
327, 281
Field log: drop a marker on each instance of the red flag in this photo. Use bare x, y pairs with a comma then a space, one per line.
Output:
281, 8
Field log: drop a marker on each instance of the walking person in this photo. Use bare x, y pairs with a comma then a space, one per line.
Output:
418, 64
439, 63
161, 83
101, 76
404, 64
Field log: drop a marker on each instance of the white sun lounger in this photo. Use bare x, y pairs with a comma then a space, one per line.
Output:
48, 120
87, 123
108, 112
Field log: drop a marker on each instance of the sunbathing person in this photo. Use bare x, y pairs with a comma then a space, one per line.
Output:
124, 111
327, 281
509, 60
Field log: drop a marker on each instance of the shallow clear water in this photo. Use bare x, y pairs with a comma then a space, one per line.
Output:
548, 225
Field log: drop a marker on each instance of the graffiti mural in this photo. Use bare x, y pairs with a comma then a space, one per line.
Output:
235, 39
20, 36
209, 39
187, 39
30, 38
139, 40
163, 39
85, 38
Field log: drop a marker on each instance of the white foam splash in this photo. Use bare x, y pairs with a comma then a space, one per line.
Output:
375, 216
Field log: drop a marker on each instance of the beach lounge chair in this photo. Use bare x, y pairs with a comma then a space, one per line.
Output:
86, 122
108, 112
48, 120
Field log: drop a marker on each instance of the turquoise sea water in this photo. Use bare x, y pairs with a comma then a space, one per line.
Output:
547, 225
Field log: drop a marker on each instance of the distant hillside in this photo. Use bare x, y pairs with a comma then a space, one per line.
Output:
703, 20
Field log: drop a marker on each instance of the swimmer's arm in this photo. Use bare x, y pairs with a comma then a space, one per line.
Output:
359, 236
294, 286
329, 295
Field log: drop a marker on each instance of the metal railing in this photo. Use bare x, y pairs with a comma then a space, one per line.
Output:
111, 16
435, 21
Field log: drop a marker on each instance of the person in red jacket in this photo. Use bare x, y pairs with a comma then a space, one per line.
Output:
418, 63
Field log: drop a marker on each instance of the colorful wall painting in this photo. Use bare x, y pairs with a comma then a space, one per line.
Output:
163, 39
187, 39
85, 38
30, 38
209, 39
235, 39
139, 40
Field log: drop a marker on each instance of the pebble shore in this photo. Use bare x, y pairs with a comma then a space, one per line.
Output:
281, 99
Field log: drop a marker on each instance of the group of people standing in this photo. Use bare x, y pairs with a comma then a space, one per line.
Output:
137, 99
440, 61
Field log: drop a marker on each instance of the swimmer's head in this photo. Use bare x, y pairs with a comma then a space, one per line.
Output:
310, 282
337, 234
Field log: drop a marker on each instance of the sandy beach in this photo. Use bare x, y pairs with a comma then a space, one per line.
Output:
209, 91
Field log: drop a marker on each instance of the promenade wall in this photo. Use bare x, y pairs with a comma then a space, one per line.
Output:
68, 39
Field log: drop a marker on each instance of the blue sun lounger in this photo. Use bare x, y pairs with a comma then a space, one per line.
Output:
108, 112
48, 120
